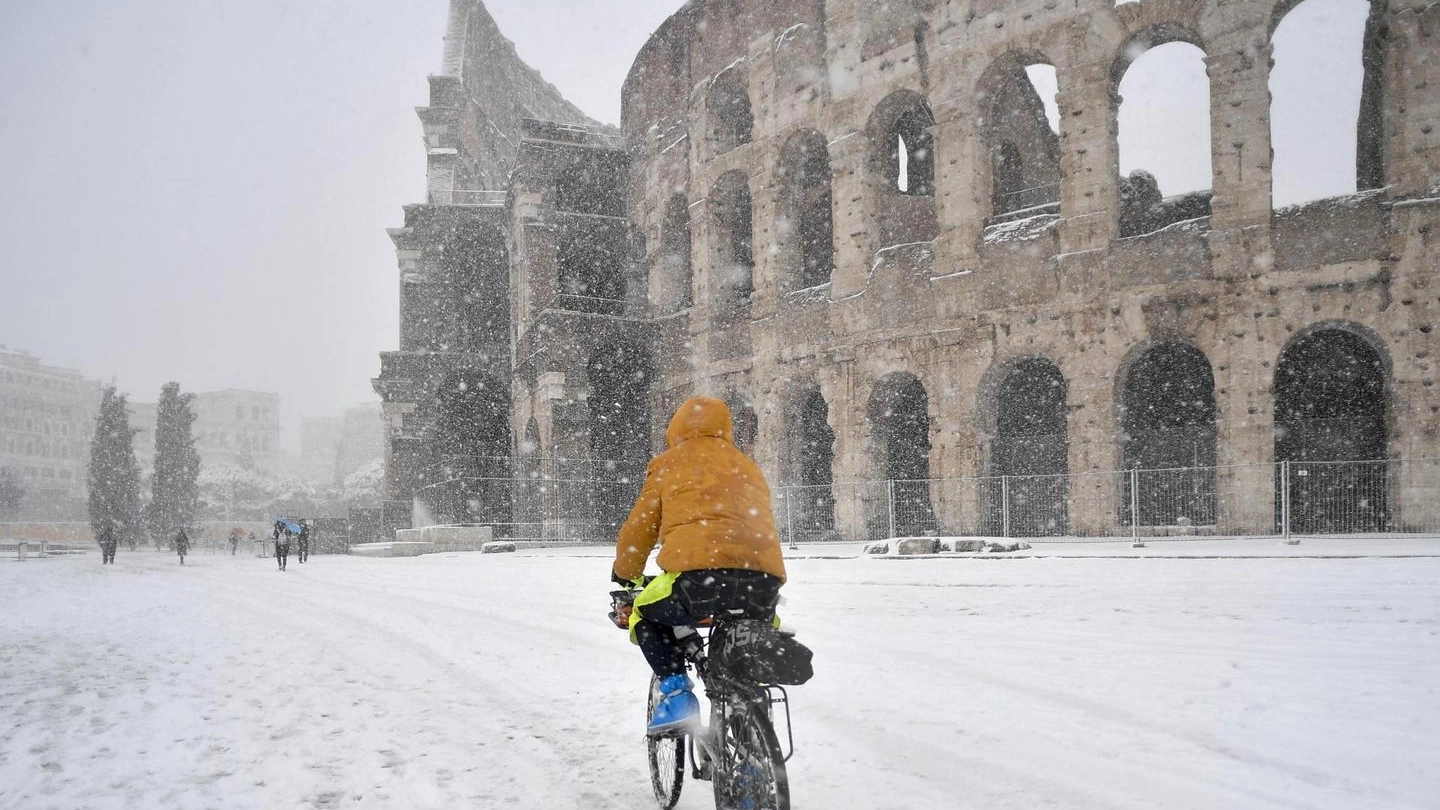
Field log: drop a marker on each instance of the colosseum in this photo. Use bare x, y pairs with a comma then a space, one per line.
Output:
931, 309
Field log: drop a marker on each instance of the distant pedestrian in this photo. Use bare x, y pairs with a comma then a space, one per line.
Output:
182, 545
107, 543
282, 548
303, 546
234, 543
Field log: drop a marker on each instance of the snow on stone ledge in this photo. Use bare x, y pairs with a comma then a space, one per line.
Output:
1020, 230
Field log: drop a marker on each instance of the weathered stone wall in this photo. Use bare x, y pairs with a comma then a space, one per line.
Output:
927, 283
1240, 285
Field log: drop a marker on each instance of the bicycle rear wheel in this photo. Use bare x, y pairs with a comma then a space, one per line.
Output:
751, 775
667, 756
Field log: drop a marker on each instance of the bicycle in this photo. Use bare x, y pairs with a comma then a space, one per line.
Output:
738, 750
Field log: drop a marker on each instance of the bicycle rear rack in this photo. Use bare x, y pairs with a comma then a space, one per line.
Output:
783, 699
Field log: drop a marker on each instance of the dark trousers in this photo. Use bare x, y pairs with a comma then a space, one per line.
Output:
696, 595
304, 550
107, 554
281, 552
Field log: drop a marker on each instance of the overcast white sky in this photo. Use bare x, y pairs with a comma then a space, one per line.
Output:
198, 190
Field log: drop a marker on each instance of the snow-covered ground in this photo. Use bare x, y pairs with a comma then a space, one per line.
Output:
1078, 676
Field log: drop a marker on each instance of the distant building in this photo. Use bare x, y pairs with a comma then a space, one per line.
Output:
231, 426
333, 447
47, 416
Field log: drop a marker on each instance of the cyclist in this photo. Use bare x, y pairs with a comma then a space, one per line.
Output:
708, 506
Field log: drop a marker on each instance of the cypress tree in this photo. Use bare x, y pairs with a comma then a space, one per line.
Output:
175, 490
11, 493
114, 476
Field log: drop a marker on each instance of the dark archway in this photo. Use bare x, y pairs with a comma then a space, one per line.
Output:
1330, 425
733, 270
744, 423
1167, 425
902, 169
676, 283
470, 449
899, 414
1024, 149
620, 376
728, 105
1027, 493
811, 501
589, 265
806, 228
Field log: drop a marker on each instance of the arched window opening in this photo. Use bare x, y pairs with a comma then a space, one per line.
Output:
620, 375
811, 501
899, 413
593, 185
1330, 424
1026, 495
675, 287
728, 104
479, 269
1168, 434
914, 153
1316, 121
901, 170
1021, 131
1164, 137
589, 260
734, 266
470, 451
744, 423
806, 228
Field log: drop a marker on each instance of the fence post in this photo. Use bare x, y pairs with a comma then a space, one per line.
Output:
789, 523
890, 497
1285, 504
1004, 506
1135, 508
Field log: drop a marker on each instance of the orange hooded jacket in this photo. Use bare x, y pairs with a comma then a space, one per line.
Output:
703, 500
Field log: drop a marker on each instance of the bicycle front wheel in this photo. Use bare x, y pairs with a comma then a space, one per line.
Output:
751, 773
666, 754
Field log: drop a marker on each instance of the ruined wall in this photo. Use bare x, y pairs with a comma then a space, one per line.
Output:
958, 308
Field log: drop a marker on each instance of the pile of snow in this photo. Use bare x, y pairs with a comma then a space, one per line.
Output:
909, 546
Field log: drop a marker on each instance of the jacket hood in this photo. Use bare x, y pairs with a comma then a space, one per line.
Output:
699, 416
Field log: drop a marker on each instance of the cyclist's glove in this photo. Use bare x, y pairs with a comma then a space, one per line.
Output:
636, 584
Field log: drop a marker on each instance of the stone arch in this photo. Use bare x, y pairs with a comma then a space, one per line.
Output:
732, 227
1024, 151
744, 422
590, 264
810, 462
620, 374
901, 173
1331, 394
676, 282
899, 416
805, 231
470, 451
1166, 402
1026, 493
1146, 203
727, 105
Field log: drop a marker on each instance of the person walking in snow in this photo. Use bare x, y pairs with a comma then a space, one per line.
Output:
107, 543
182, 544
708, 506
303, 542
282, 547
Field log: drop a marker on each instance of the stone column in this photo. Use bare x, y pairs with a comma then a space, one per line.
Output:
1089, 155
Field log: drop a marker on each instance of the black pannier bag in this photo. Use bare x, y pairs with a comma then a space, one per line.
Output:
754, 649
